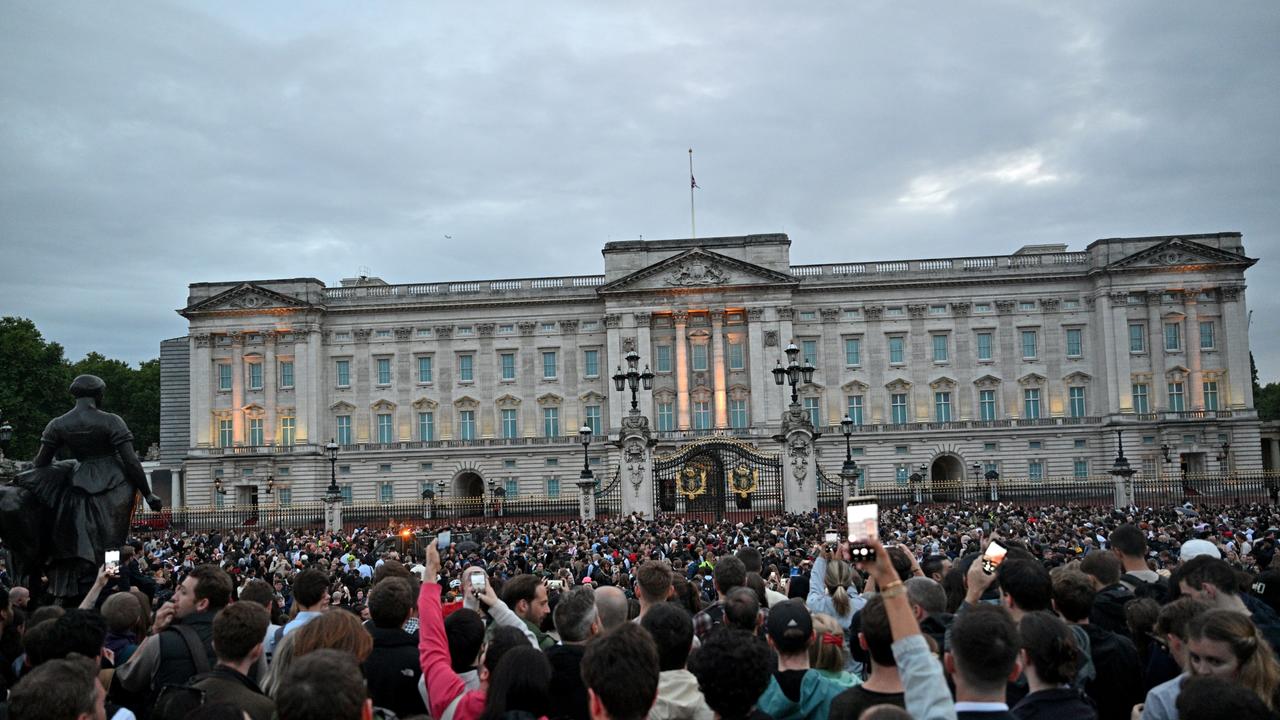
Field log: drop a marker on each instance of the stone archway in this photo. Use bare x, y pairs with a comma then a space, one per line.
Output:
946, 478
468, 484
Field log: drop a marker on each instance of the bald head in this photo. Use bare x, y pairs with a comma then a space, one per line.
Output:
611, 603
18, 597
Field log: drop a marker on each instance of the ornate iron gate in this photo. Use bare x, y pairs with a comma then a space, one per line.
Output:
718, 475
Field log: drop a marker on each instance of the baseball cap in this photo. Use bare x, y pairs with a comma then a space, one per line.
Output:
790, 625
1197, 547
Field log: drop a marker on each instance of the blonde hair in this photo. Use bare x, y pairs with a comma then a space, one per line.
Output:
838, 578
1259, 671
826, 652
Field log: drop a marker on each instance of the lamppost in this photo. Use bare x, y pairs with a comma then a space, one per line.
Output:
1123, 473
633, 379
993, 480
333, 494
849, 471
271, 493
794, 373
587, 479
917, 480
6, 434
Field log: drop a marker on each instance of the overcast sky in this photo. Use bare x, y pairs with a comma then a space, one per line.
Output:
147, 145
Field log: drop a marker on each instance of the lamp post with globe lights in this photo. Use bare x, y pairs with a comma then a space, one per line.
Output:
586, 479
849, 471
1123, 473
794, 374
333, 494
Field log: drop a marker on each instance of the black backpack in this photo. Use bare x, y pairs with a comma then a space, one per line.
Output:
1158, 590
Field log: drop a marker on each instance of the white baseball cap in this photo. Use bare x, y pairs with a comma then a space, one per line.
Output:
1197, 547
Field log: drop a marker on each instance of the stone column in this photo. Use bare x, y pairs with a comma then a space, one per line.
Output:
1235, 321
718, 368
832, 368
761, 380
799, 461
636, 443
1159, 398
612, 362
488, 416
1115, 333
269, 383
586, 498
681, 319
237, 388
202, 379
1192, 340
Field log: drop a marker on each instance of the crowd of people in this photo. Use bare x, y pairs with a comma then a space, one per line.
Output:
1145, 613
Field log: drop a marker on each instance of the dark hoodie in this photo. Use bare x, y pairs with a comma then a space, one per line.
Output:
1108, 608
392, 670
1056, 704
567, 690
1117, 687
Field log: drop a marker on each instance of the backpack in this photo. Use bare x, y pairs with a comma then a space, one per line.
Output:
176, 701
1158, 590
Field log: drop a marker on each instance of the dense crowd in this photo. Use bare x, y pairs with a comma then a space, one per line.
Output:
1151, 613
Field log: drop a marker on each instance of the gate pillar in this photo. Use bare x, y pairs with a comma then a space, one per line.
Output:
636, 442
799, 462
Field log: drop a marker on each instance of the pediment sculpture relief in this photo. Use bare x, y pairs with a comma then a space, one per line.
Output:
696, 272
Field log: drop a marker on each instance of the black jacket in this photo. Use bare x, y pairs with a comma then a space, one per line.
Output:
568, 692
1057, 704
1118, 685
176, 666
1108, 609
392, 672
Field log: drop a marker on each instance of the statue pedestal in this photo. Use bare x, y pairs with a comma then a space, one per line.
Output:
333, 516
636, 442
586, 498
799, 461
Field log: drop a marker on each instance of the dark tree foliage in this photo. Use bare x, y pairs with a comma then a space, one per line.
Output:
34, 376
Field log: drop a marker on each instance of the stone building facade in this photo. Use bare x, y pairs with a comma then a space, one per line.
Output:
1024, 363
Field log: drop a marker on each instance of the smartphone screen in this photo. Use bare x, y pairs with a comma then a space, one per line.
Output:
443, 540
831, 537
478, 582
863, 526
992, 558
113, 560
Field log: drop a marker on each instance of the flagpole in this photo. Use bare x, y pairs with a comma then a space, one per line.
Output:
693, 223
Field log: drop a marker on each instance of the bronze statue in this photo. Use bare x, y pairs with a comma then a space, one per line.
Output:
67, 513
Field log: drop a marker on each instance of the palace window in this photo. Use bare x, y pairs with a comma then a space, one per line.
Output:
286, 374
809, 351
1081, 469
984, 346
224, 377
897, 343
1029, 344
811, 407
550, 422
699, 356
940, 354
342, 368
1137, 338
666, 418
510, 425
987, 404
386, 492
549, 365
255, 431
701, 415
424, 369
466, 424
466, 368
386, 428
1031, 403
426, 426
1206, 335
1176, 403
737, 358
226, 433
553, 487
342, 424
855, 409
288, 430
591, 363
1173, 336
1075, 402
255, 376
1035, 470
1141, 401
662, 358
853, 351
1211, 395
384, 371
942, 406
1075, 342
592, 420
737, 414
508, 365
898, 408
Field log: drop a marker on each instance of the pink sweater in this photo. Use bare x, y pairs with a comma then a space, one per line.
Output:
443, 684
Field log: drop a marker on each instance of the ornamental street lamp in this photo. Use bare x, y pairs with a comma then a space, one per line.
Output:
633, 379
849, 471
332, 494
6, 434
917, 480
794, 373
584, 437
1121, 469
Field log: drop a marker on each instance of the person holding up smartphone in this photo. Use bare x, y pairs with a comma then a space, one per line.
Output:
925, 689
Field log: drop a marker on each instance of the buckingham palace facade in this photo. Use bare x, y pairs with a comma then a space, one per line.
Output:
1024, 363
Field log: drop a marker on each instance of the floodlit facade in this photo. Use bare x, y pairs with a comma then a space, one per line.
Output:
1024, 363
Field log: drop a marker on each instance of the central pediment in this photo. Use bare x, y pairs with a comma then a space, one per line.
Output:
1180, 253
697, 269
245, 298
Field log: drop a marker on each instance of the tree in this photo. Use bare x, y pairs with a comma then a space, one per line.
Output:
34, 377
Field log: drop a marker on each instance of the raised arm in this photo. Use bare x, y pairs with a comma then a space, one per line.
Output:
443, 685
